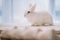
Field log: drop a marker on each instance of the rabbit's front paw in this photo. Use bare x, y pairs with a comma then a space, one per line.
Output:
35, 25
50, 24
47, 24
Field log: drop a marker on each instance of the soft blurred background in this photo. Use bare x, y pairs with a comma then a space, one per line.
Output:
12, 11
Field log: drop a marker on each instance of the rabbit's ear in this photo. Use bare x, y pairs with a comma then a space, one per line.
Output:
33, 7
30, 5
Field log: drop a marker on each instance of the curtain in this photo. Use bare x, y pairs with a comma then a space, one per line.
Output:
55, 10
7, 11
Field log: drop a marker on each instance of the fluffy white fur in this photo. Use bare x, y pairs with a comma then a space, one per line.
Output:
28, 33
46, 35
38, 18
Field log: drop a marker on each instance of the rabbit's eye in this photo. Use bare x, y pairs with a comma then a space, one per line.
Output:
28, 11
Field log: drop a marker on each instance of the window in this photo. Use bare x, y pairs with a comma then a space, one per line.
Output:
57, 10
7, 11
0, 10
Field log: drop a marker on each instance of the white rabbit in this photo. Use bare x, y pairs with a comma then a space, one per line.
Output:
38, 18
